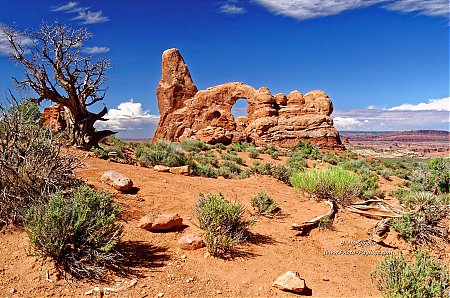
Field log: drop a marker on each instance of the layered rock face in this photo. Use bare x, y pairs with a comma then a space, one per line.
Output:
54, 117
186, 113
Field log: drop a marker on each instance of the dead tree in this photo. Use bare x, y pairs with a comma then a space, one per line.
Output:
57, 71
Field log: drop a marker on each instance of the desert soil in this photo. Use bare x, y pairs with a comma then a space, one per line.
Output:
160, 267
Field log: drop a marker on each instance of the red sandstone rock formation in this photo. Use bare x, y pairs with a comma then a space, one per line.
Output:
206, 114
53, 117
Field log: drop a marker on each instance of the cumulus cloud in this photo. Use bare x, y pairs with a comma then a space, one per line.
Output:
431, 115
85, 16
307, 9
5, 47
441, 104
95, 50
130, 121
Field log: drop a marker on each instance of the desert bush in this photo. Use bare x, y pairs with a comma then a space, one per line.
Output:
296, 161
194, 146
32, 166
333, 183
110, 144
206, 158
229, 169
235, 158
162, 153
206, 171
238, 147
281, 173
424, 276
331, 159
274, 154
222, 222
78, 231
253, 153
421, 224
307, 150
264, 204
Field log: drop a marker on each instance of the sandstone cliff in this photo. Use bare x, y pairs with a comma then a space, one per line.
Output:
206, 114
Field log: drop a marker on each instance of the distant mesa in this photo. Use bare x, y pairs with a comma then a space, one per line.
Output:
205, 115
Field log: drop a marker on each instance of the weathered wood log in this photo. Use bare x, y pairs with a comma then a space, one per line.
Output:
316, 220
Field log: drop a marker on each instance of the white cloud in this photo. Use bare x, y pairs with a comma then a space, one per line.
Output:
5, 47
308, 9
232, 8
346, 123
85, 16
71, 7
425, 7
431, 115
441, 104
95, 50
91, 17
131, 119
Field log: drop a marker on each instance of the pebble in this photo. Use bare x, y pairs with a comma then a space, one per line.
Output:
218, 291
160, 294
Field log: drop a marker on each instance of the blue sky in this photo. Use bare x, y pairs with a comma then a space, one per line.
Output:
385, 64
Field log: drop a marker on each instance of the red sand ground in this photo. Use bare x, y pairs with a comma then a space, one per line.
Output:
161, 267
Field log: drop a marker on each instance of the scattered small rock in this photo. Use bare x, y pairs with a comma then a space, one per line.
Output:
12, 291
117, 180
160, 168
160, 294
291, 282
183, 170
162, 222
190, 242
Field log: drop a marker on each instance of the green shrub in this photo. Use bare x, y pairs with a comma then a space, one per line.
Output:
274, 155
229, 169
235, 158
162, 153
32, 166
281, 173
296, 162
238, 147
264, 204
438, 179
253, 153
333, 183
421, 225
79, 232
207, 171
331, 159
424, 276
194, 146
222, 222
207, 158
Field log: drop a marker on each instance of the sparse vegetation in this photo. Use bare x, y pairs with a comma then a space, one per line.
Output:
424, 276
264, 204
31, 164
79, 231
194, 146
162, 153
333, 183
253, 153
222, 222
421, 224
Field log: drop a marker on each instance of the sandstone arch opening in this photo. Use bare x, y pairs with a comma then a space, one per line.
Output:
240, 108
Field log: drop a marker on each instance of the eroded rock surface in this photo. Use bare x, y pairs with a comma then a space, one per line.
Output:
186, 113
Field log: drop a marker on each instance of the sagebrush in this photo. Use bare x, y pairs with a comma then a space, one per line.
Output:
223, 223
79, 231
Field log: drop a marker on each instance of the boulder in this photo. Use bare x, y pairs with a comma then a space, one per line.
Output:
161, 223
160, 168
190, 242
117, 180
205, 115
291, 282
183, 170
